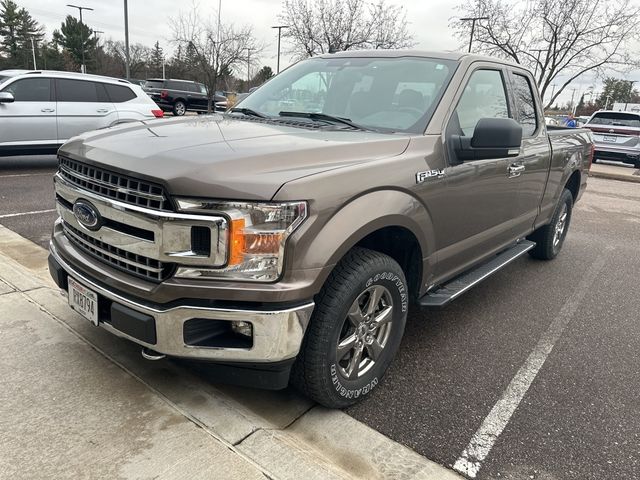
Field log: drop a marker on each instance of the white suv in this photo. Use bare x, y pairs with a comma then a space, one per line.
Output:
40, 110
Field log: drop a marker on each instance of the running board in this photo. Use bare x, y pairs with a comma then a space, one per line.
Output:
456, 287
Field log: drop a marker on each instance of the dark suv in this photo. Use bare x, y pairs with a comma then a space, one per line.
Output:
179, 96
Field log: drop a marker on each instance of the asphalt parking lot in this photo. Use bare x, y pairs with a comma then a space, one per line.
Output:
539, 362
26, 196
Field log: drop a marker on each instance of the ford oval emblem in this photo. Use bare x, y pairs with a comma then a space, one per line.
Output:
87, 215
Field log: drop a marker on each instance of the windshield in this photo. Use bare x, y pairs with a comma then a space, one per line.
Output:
2, 79
619, 119
388, 94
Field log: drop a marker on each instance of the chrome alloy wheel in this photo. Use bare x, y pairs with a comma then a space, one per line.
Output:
560, 227
181, 109
365, 332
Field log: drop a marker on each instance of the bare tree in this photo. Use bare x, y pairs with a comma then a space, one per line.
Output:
324, 26
215, 52
139, 58
557, 40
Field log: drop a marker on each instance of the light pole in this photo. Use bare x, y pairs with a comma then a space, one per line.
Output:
279, 27
553, 90
248, 67
96, 32
33, 51
573, 95
473, 21
539, 50
219, 18
83, 68
631, 82
126, 40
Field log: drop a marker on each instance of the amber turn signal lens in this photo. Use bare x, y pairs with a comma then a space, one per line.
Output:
236, 255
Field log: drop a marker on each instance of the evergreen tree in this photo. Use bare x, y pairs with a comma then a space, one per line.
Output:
51, 58
616, 90
74, 38
264, 74
191, 62
156, 60
17, 28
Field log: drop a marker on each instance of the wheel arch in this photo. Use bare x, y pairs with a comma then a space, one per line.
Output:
403, 246
391, 222
573, 184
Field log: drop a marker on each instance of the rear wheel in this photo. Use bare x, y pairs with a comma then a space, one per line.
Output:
179, 108
550, 238
355, 330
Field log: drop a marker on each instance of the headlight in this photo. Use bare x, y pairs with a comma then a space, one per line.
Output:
257, 236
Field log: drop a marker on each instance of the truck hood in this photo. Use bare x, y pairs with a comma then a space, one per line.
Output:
217, 156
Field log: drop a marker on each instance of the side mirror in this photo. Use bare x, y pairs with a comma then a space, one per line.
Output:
6, 97
492, 138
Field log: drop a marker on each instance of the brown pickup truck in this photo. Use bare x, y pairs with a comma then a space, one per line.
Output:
287, 239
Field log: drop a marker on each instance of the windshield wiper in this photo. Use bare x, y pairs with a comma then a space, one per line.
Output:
323, 117
248, 112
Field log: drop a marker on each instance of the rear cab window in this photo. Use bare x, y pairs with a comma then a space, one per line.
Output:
525, 104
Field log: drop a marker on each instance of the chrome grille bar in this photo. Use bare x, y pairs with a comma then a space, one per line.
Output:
145, 267
114, 185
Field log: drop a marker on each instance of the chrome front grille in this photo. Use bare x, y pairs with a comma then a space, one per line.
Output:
114, 185
138, 265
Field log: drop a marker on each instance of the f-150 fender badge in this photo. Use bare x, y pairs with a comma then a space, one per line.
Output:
422, 177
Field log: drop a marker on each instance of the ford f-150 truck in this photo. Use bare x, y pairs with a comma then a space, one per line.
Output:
286, 240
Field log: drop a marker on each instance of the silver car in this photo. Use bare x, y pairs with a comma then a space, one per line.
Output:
616, 136
40, 110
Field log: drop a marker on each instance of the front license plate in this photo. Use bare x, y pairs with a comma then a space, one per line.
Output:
83, 301
610, 138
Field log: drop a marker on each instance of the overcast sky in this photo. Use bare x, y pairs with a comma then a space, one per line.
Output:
149, 21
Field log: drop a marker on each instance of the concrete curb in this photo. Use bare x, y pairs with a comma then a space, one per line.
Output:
614, 176
283, 434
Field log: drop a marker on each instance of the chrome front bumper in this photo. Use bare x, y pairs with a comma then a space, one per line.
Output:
277, 334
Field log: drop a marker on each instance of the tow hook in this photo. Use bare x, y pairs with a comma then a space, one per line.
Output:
149, 354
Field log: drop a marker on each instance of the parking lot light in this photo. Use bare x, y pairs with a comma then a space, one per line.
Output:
83, 68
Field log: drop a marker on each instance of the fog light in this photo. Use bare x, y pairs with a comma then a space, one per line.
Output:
242, 328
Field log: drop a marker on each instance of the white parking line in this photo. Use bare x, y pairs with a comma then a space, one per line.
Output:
482, 442
34, 212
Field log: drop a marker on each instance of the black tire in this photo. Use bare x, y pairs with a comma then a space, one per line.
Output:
550, 238
360, 278
179, 108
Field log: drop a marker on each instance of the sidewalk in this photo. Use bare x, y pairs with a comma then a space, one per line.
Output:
625, 173
77, 402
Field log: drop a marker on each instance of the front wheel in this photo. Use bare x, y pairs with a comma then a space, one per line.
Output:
355, 330
550, 238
